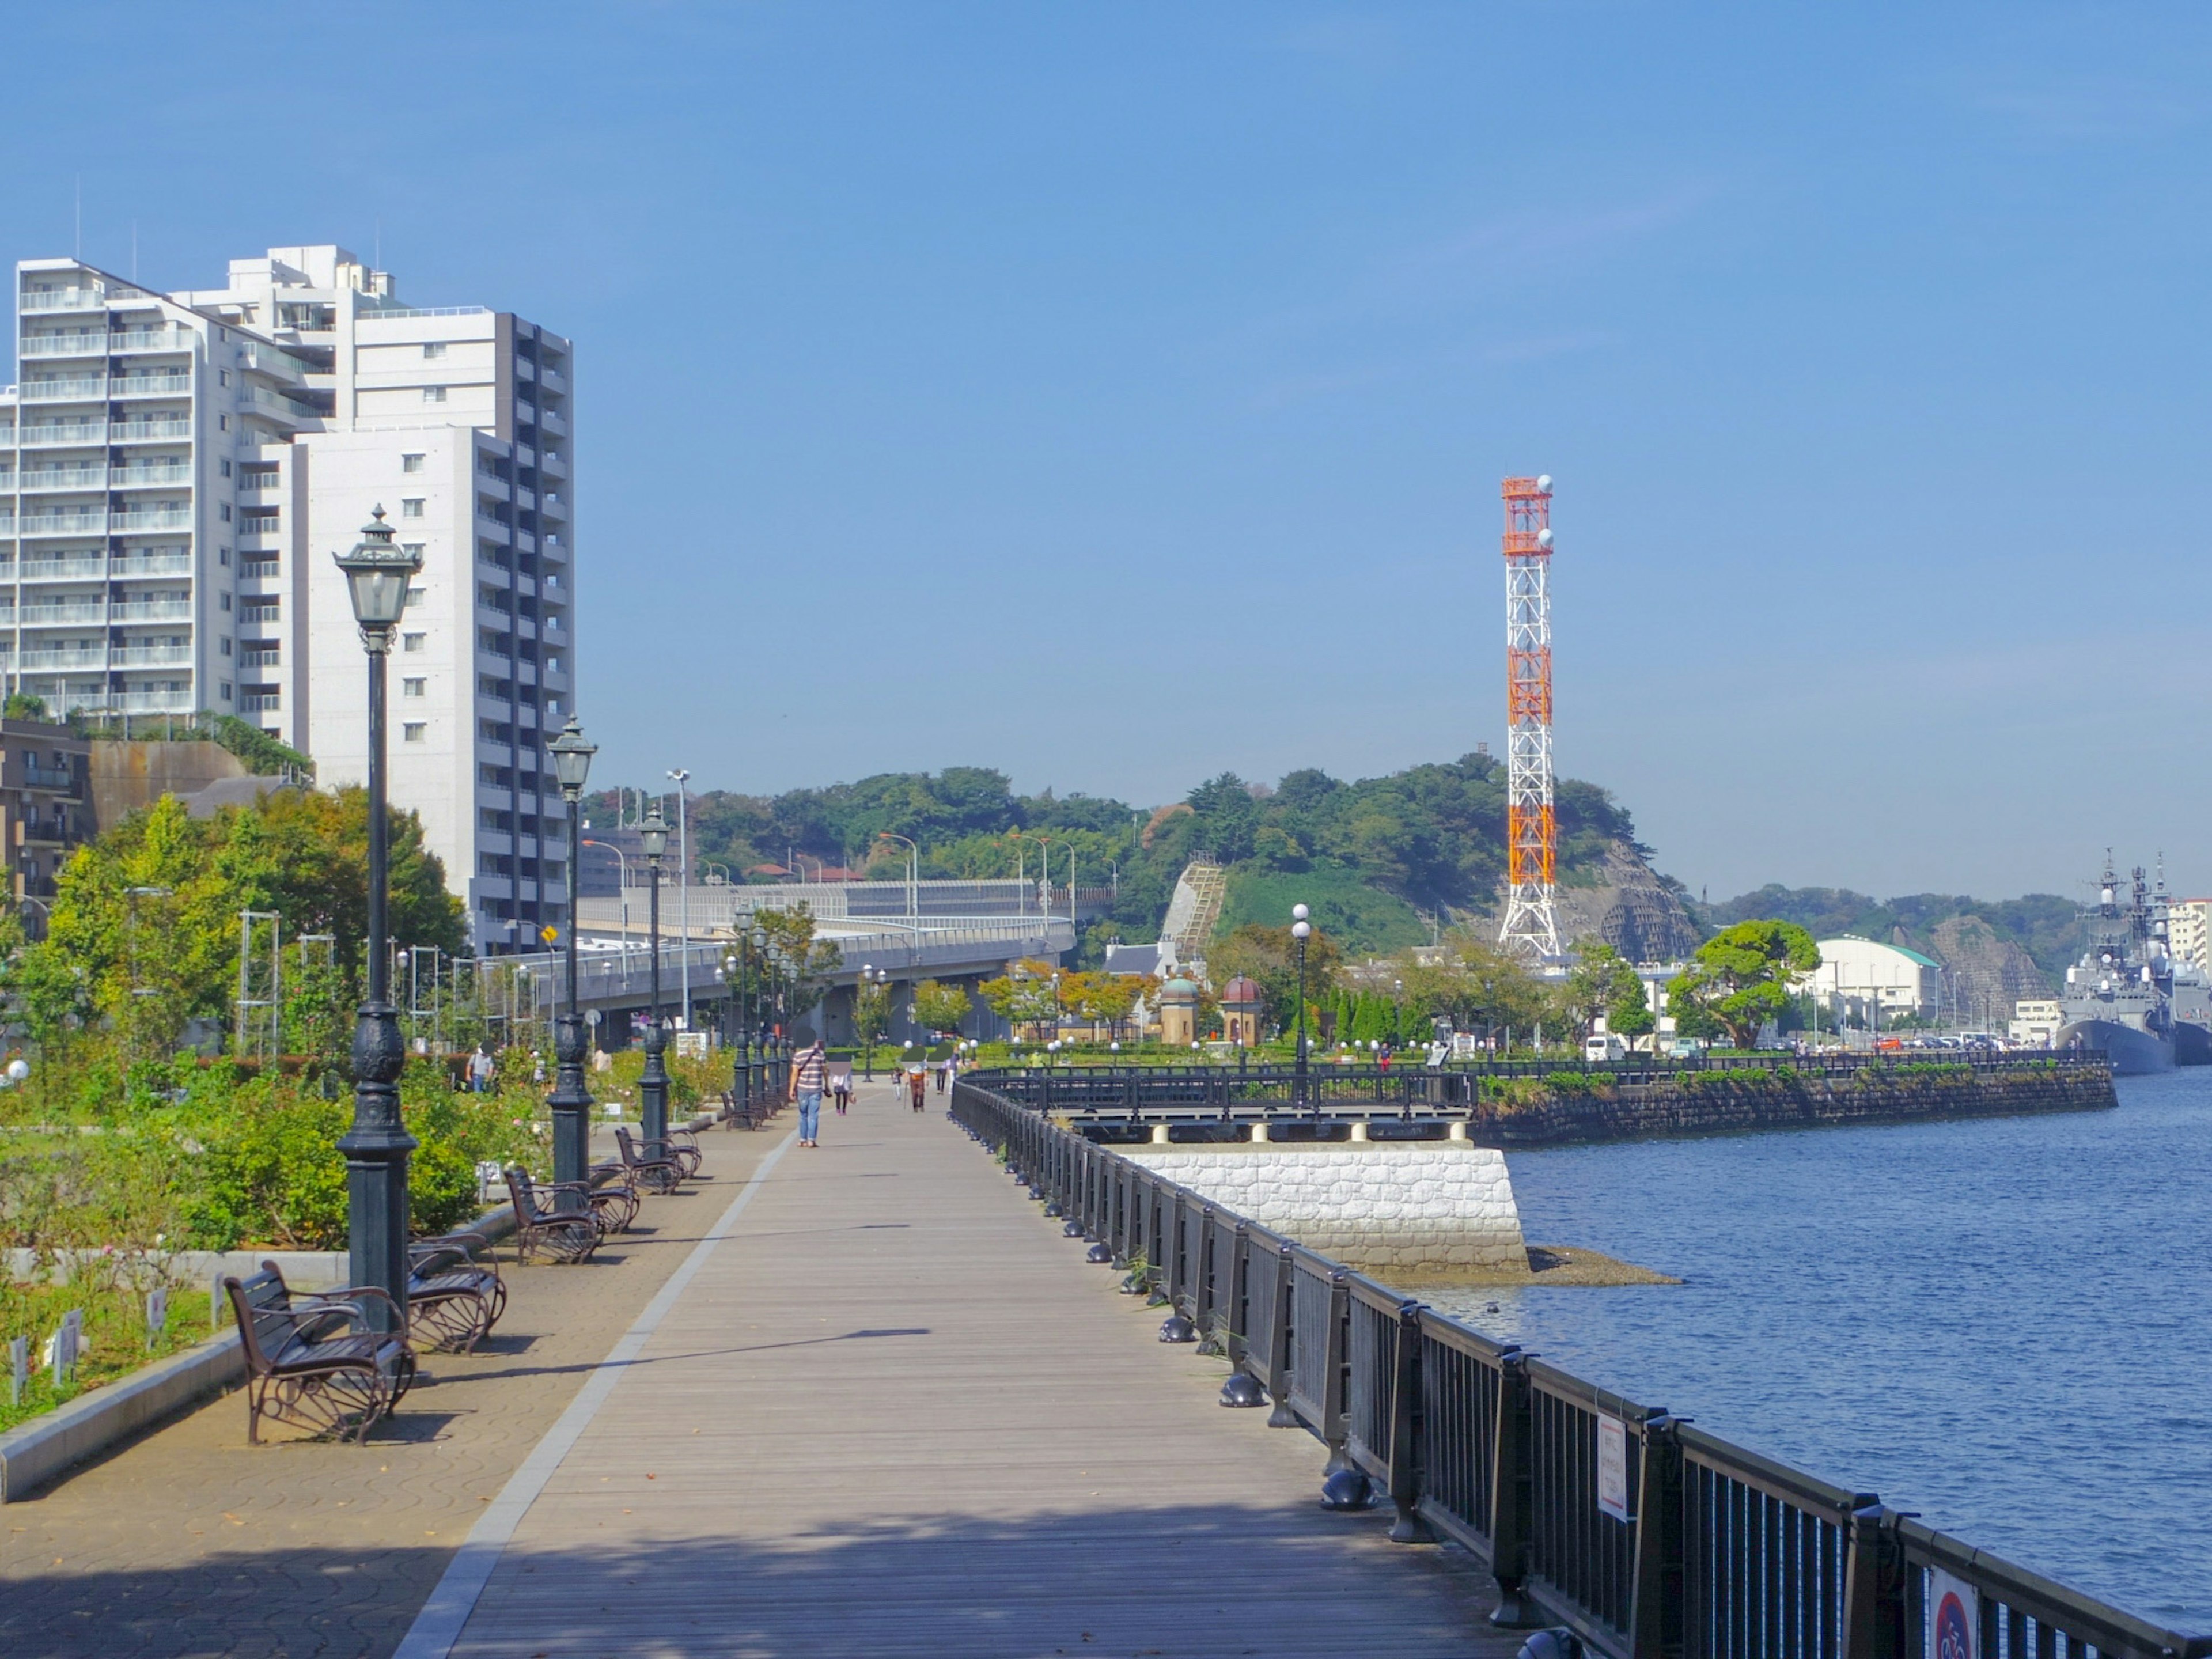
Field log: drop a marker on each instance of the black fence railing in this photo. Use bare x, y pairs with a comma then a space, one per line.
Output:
1231, 1090
1647, 1537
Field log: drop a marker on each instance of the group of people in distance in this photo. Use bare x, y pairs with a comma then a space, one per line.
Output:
813, 1074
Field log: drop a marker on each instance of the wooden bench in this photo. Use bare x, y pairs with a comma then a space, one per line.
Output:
564, 1232
315, 1361
654, 1171
451, 1294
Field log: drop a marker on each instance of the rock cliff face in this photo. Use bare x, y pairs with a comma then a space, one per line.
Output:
1987, 974
1628, 909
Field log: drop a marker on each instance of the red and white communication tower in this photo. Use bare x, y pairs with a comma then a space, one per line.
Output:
1531, 828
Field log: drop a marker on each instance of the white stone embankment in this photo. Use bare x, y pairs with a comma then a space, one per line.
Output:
1427, 1209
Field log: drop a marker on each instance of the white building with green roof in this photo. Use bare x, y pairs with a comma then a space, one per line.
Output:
1856, 974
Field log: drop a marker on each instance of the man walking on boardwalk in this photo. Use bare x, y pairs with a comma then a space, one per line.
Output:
807, 1069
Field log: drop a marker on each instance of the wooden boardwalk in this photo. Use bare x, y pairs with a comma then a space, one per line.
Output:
893, 1411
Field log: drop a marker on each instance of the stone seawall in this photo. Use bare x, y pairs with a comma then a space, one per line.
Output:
1414, 1209
1720, 1103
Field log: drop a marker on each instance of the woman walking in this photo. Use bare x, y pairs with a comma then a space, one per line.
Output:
916, 1082
807, 1067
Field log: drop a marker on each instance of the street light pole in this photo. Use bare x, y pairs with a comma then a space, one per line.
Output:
571, 1101
377, 1146
1301, 930
653, 1086
683, 894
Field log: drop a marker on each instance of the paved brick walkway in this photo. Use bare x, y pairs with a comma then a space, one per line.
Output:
189, 1542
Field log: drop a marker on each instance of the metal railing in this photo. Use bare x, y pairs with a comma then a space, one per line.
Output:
1647, 1537
1238, 1091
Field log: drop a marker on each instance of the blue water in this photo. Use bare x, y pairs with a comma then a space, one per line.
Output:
2005, 1325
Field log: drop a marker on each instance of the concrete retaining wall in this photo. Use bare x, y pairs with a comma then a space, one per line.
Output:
1725, 1104
1411, 1209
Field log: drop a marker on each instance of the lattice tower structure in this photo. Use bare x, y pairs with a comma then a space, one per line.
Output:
1530, 927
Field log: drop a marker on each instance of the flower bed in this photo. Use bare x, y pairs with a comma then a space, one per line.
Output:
115, 1337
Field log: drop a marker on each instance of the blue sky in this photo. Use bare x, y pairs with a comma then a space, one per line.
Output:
1118, 395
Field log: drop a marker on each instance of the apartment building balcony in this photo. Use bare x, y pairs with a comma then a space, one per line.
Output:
60, 779
260, 570
75, 614
258, 613
552, 425
61, 299
260, 485
556, 545
91, 344
277, 365
153, 339
59, 434
259, 702
71, 389
84, 521
128, 565
553, 465
552, 379
146, 474
524, 369
260, 656
128, 523
43, 662
82, 476
150, 386
291, 409
149, 611
91, 567
132, 702
142, 431
152, 656
526, 498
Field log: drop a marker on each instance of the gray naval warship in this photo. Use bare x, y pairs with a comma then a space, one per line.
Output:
2127, 995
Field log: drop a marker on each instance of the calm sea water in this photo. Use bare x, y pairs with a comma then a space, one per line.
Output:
2005, 1325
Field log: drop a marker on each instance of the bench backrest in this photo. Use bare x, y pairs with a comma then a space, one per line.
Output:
262, 1305
524, 1194
629, 1148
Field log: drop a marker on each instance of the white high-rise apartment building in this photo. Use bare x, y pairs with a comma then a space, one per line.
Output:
176, 470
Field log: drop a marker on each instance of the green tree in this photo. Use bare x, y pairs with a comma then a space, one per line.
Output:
871, 1012
797, 966
940, 1008
1601, 982
1268, 958
1739, 979
1023, 995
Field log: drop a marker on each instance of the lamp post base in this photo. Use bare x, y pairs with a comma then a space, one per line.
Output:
652, 1087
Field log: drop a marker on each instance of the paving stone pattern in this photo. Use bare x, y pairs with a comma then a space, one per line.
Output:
189, 1542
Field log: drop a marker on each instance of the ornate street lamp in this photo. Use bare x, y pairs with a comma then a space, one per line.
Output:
1301, 931
652, 1087
757, 1025
376, 1148
571, 1101
734, 976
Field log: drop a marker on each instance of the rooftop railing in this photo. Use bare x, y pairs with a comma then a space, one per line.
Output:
1646, 1537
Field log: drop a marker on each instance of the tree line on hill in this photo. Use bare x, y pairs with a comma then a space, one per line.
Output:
1373, 856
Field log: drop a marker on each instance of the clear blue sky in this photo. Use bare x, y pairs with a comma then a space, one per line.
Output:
1118, 394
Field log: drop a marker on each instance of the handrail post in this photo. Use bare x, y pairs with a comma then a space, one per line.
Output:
1656, 1617
1873, 1585
1407, 1428
1510, 1496
1279, 1358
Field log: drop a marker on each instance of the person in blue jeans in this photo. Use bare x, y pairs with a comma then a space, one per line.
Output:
808, 1067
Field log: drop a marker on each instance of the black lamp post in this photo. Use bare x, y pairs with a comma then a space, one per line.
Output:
377, 573
571, 1101
652, 1087
1301, 931
734, 976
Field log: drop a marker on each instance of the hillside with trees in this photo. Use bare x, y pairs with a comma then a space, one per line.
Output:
1385, 862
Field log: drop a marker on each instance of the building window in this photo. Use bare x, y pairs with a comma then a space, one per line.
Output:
417, 595
412, 641
226, 647
433, 348
224, 599
412, 507
414, 688
414, 548
434, 394
222, 556
412, 730
222, 377
225, 466
223, 422
411, 463
223, 512
226, 691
